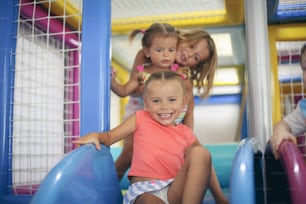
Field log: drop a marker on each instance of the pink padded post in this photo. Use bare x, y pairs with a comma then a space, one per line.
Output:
295, 167
301, 141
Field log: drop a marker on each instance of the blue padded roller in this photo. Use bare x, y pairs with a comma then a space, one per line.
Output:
246, 181
85, 175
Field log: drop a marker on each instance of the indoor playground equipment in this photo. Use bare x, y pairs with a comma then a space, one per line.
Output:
286, 177
256, 177
247, 171
246, 181
83, 176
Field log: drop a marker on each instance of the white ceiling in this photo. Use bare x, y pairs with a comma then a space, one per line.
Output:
134, 8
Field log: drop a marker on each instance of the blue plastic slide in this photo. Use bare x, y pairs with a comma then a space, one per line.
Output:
85, 175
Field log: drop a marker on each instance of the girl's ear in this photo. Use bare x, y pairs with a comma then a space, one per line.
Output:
185, 99
146, 52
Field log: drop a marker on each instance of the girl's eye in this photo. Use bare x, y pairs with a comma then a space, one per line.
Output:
172, 99
197, 58
158, 49
155, 101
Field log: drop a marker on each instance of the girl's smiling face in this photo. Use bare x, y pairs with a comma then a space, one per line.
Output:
164, 100
192, 54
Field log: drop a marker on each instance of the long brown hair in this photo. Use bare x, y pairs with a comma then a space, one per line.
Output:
203, 73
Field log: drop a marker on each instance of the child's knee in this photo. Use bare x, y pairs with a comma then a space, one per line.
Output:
200, 154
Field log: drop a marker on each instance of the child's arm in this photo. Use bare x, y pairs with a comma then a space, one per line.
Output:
126, 128
126, 89
133, 83
188, 119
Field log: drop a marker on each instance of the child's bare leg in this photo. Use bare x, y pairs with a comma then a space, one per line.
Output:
215, 188
123, 162
191, 183
147, 198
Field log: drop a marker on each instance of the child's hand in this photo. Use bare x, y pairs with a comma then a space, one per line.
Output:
113, 73
89, 138
278, 138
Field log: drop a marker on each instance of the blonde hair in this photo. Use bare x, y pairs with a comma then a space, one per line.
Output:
163, 76
204, 72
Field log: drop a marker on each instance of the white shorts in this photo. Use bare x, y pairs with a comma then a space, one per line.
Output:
162, 194
158, 188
